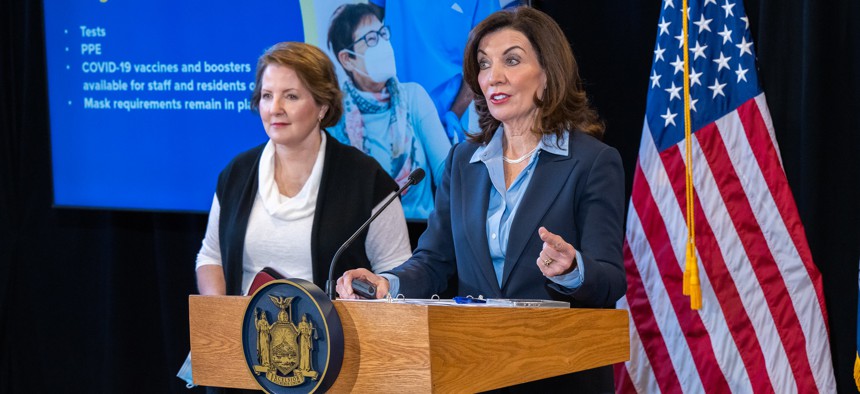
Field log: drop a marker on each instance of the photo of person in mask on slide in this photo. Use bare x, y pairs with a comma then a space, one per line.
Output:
394, 122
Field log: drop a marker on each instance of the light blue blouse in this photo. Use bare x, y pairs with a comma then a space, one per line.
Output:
504, 203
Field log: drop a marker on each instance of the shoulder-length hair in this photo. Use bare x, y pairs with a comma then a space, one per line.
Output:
313, 68
564, 105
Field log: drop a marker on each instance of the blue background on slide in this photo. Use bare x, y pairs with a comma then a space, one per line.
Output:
154, 159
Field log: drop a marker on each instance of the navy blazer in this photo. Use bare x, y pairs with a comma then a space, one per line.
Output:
579, 197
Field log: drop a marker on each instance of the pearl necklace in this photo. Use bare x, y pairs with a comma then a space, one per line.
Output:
521, 158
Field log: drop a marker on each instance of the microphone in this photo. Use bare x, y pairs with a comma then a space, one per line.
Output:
415, 177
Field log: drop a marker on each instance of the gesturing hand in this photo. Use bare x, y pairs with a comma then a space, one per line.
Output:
557, 257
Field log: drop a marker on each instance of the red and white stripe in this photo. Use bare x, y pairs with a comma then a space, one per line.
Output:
762, 327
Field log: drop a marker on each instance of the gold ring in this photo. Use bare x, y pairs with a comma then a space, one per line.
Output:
547, 262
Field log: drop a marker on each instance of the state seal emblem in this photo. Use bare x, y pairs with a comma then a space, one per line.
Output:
292, 337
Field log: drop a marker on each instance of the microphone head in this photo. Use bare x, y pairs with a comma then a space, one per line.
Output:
416, 176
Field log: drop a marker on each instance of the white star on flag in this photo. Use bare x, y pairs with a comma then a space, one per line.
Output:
664, 27
703, 24
728, 7
674, 92
745, 46
678, 64
717, 88
658, 54
726, 34
698, 50
722, 62
655, 79
741, 72
694, 77
680, 39
669, 116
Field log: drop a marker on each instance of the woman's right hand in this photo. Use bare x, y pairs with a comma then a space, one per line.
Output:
344, 283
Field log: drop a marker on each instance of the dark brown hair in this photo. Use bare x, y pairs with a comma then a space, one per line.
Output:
313, 68
564, 105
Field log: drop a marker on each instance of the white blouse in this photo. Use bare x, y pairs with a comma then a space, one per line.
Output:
279, 228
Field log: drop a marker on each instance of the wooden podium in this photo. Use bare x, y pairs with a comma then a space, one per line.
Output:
394, 347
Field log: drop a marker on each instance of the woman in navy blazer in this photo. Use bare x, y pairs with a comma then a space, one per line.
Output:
532, 205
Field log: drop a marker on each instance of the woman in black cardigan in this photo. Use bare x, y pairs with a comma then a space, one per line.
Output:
290, 203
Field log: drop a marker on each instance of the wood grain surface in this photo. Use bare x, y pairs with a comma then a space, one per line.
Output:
482, 349
217, 359
418, 348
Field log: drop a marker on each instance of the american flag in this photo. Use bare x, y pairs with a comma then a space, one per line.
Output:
762, 327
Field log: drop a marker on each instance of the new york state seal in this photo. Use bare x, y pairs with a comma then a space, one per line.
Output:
284, 348
292, 337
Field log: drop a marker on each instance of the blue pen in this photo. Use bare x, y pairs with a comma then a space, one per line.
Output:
469, 300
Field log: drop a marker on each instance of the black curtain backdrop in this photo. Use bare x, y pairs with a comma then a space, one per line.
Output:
96, 301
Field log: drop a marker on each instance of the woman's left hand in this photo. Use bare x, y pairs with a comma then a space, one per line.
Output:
557, 256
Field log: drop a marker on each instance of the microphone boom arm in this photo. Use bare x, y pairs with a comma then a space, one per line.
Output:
415, 177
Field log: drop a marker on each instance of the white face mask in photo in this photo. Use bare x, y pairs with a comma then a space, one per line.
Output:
378, 61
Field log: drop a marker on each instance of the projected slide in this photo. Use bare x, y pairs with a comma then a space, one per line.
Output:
149, 99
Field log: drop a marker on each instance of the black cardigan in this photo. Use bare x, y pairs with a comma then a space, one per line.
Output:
352, 184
